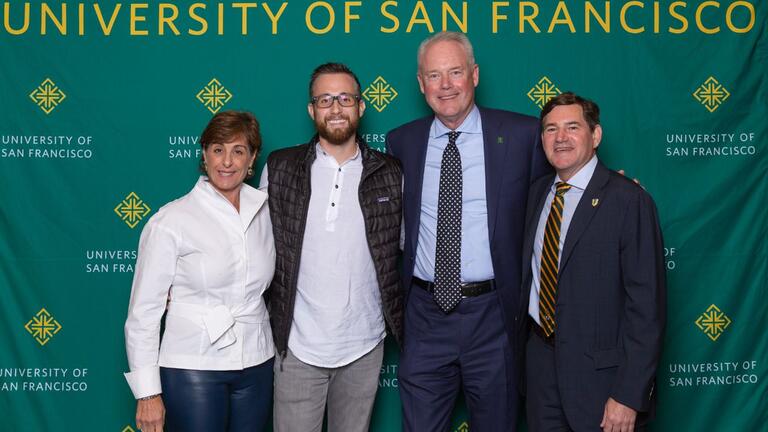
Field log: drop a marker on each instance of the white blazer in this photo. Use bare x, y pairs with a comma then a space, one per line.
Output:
216, 263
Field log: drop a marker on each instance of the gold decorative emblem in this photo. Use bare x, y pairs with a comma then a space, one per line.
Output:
543, 91
713, 322
711, 94
214, 96
43, 326
128, 429
464, 427
132, 210
47, 96
595, 202
380, 94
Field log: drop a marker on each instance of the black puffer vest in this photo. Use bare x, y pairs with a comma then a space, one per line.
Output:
380, 194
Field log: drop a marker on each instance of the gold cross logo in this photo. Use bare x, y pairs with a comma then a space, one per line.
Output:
711, 94
47, 96
43, 326
542, 92
713, 322
132, 210
380, 94
214, 96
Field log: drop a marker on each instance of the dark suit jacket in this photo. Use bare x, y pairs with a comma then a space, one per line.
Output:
611, 299
513, 159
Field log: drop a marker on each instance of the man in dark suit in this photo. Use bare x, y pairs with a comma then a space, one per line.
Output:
594, 290
467, 171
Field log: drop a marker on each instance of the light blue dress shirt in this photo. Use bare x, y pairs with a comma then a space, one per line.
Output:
578, 183
476, 262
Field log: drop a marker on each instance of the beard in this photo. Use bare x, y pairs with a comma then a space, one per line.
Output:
336, 136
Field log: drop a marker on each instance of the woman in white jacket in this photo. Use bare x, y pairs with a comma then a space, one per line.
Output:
207, 259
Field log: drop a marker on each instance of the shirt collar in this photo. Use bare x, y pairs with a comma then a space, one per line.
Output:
582, 177
470, 125
210, 192
326, 158
251, 200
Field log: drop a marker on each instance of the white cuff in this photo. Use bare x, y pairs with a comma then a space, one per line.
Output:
144, 382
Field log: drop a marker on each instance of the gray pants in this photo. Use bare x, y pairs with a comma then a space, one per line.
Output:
302, 390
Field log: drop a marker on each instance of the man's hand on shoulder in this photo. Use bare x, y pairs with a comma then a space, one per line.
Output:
637, 182
618, 417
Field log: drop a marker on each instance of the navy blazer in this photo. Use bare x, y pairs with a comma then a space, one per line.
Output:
513, 159
610, 307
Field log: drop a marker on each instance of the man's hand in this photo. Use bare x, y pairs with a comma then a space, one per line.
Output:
637, 182
150, 415
618, 417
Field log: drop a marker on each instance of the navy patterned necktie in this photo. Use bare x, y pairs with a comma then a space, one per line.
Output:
447, 292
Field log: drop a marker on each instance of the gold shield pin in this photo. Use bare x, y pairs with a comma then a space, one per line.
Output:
595, 201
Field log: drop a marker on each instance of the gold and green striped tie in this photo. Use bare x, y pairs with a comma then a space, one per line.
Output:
549, 260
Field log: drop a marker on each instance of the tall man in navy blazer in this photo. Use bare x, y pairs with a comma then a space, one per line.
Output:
594, 285
462, 333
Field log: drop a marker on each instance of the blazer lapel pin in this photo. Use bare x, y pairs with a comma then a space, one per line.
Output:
595, 201
499, 140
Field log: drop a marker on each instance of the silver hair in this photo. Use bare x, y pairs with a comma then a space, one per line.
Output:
447, 36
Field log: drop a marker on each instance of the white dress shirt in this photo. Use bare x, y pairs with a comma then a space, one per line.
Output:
337, 317
216, 263
571, 199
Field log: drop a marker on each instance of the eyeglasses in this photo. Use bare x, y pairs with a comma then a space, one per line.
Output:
326, 100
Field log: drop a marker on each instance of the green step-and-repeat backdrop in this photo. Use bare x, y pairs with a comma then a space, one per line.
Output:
102, 103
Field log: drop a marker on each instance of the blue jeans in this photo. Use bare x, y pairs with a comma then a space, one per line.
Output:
217, 401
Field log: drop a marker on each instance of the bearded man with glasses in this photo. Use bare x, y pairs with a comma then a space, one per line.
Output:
335, 206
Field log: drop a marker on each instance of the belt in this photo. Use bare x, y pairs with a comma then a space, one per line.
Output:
469, 289
536, 328
218, 321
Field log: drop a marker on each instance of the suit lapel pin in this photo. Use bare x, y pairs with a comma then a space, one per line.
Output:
595, 201
499, 140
